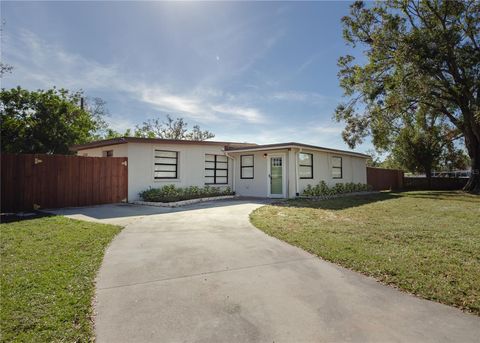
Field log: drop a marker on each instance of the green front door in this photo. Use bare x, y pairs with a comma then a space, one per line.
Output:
276, 177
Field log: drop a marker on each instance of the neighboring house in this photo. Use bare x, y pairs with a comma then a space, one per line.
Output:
273, 170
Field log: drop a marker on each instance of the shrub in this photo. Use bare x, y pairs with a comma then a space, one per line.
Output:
308, 190
323, 190
170, 193
338, 188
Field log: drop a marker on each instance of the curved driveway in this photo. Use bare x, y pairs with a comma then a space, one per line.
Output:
203, 273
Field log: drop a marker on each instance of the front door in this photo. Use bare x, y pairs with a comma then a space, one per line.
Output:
276, 167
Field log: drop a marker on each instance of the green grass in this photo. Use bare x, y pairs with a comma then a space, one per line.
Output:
47, 278
426, 243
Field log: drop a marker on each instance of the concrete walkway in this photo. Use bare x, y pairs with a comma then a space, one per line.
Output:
204, 274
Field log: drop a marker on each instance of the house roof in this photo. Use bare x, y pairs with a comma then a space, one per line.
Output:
293, 145
124, 140
229, 146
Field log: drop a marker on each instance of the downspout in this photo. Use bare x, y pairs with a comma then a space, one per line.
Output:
233, 170
297, 186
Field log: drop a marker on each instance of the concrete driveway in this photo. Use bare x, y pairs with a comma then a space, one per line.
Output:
203, 273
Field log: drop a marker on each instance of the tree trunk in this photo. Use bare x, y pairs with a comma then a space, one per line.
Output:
473, 147
428, 174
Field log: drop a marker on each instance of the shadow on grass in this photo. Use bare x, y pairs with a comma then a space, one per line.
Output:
360, 200
445, 195
341, 202
16, 217
120, 211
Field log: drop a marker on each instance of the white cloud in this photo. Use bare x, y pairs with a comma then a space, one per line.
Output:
300, 134
327, 129
325, 133
120, 124
290, 96
39, 64
247, 114
306, 64
164, 101
203, 106
298, 96
239, 45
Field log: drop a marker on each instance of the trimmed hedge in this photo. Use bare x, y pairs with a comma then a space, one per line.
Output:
170, 193
322, 189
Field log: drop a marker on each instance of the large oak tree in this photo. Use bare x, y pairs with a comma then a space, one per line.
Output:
421, 56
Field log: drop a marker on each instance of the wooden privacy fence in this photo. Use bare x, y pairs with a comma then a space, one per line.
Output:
436, 183
53, 181
384, 179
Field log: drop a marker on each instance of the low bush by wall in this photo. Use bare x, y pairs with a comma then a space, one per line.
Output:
170, 193
437, 183
323, 190
183, 202
328, 197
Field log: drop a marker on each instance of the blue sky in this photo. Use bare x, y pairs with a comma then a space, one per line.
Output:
257, 72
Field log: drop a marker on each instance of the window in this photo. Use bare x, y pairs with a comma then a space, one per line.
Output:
305, 166
107, 153
246, 167
337, 167
216, 169
166, 164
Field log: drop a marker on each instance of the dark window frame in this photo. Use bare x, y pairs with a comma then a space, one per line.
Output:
165, 164
108, 153
215, 170
341, 167
306, 165
252, 166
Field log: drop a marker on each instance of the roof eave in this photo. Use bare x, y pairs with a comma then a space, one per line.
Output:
297, 146
123, 140
98, 144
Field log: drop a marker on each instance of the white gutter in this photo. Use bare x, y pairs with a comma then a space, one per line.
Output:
297, 176
233, 169
359, 155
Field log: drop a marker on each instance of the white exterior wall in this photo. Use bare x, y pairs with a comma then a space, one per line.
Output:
292, 173
354, 169
191, 168
191, 164
258, 186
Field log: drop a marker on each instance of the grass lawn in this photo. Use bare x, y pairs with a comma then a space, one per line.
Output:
47, 280
426, 243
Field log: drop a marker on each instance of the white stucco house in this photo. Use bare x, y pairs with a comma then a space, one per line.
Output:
274, 170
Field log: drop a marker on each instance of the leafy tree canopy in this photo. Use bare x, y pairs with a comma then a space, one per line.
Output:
171, 129
422, 57
418, 148
50, 121
4, 69
423, 143
45, 121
